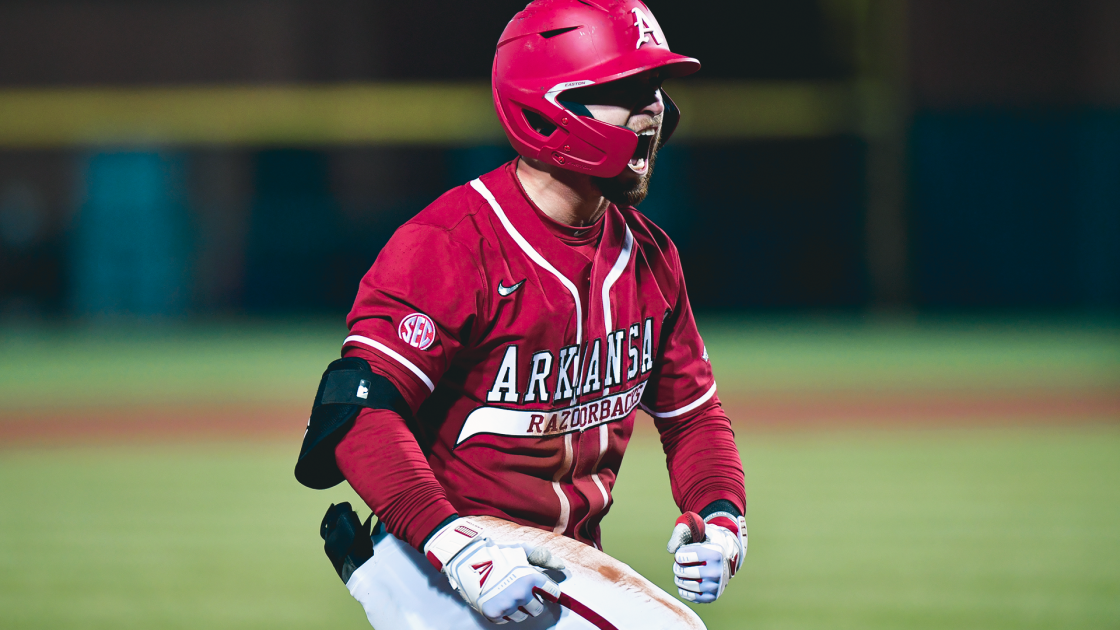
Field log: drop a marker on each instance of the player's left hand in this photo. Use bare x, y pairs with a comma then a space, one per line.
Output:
707, 554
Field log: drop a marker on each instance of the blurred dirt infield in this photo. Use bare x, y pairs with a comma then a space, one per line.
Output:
771, 412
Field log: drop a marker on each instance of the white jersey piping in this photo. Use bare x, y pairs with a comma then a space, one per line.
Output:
612, 277
532, 253
565, 507
393, 355
604, 439
685, 409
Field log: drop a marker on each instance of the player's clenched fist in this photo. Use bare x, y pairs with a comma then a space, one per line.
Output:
496, 580
706, 554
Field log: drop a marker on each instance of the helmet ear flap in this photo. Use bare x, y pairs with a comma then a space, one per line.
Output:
669, 120
538, 123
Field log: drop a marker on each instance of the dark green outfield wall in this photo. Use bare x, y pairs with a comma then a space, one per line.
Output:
1007, 209
1011, 110
1016, 208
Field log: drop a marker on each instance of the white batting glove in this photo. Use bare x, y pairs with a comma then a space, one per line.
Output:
707, 554
496, 580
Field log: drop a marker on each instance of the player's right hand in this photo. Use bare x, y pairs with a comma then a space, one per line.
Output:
496, 580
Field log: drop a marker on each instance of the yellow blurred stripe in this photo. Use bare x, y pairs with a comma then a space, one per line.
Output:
400, 113
260, 115
729, 111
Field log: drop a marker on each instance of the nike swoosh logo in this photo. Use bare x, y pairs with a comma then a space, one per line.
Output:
504, 291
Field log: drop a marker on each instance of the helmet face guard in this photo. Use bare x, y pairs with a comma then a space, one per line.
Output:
558, 45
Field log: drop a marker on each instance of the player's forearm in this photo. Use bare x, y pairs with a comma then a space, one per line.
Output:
703, 460
383, 463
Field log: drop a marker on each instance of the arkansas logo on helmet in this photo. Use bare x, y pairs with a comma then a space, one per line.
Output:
557, 45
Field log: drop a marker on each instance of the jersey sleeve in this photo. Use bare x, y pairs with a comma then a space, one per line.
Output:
415, 309
682, 378
702, 458
382, 461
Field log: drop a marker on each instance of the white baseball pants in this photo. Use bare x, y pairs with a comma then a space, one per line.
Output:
400, 590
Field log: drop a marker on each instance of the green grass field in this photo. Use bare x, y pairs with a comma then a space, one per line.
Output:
996, 527
74, 367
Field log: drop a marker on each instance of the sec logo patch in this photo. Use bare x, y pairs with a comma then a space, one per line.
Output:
417, 330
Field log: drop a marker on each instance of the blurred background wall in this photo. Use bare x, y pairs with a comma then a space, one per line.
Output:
190, 191
252, 156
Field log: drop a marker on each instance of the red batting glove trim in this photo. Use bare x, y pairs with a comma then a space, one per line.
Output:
725, 523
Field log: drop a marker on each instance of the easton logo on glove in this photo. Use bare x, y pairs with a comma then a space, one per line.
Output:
483, 570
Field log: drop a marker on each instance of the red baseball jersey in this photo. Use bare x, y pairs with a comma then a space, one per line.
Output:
523, 361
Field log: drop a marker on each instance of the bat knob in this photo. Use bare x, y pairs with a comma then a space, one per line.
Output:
695, 526
688, 529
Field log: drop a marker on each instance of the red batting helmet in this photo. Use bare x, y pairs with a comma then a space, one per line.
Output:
557, 45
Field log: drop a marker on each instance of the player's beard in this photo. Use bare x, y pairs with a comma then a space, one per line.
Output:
622, 190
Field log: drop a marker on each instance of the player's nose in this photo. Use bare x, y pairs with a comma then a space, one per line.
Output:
652, 105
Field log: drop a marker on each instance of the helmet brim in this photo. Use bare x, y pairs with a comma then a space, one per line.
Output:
669, 63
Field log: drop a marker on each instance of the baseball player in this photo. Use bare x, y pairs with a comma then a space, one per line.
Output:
500, 347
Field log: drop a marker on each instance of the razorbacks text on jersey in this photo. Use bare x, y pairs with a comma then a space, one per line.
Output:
524, 362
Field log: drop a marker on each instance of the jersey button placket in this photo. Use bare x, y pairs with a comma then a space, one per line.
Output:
580, 468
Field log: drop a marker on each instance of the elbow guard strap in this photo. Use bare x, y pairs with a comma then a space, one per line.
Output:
347, 386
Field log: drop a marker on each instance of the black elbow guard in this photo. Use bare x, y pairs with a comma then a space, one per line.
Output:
347, 386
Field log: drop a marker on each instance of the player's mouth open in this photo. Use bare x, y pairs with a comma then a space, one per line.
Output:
640, 162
